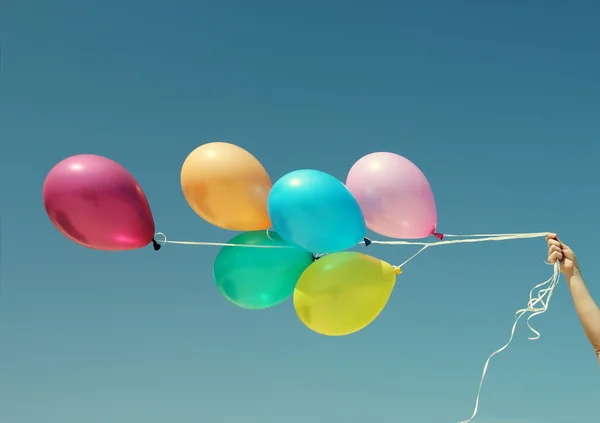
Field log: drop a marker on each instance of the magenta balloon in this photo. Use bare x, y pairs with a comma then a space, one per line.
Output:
97, 203
394, 195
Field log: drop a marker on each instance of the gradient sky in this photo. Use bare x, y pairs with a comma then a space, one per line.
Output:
496, 101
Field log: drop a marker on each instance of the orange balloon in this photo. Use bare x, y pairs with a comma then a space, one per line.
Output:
227, 186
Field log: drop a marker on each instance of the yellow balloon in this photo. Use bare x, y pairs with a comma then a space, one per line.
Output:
342, 293
227, 186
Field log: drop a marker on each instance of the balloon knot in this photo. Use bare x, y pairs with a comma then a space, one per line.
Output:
367, 241
155, 245
316, 257
397, 270
438, 235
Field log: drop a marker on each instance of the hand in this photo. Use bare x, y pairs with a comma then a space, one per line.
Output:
557, 251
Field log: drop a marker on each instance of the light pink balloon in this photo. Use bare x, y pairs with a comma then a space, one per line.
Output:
394, 195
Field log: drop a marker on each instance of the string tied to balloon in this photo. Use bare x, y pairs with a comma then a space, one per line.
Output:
437, 234
374, 178
539, 296
538, 302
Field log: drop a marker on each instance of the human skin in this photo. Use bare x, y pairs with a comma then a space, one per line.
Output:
585, 306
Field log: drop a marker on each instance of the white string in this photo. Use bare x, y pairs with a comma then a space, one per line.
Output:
424, 245
543, 295
213, 244
531, 308
268, 234
470, 239
478, 235
400, 266
473, 238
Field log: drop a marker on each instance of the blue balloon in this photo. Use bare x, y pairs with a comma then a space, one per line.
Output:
315, 211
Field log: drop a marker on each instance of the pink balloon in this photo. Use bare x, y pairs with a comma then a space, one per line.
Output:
394, 195
97, 203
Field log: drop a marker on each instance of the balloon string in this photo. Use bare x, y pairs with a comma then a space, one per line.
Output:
470, 239
212, 244
482, 235
400, 266
367, 241
544, 293
473, 238
543, 297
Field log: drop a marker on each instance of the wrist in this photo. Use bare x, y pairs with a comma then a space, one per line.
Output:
572, 274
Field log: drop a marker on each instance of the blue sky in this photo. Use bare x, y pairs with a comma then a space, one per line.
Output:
496, 101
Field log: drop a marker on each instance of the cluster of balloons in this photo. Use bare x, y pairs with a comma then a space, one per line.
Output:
299, 227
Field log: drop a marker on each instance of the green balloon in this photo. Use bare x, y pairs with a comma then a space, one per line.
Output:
259, 278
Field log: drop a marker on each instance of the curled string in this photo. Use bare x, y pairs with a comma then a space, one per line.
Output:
544, 293
268, 233
543, 297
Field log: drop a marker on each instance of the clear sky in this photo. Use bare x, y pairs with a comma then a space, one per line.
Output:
496, 101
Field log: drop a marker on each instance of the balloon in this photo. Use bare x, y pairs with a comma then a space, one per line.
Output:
227, 186
342, 293
97, 203
259, 278
315, 211
394, 195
